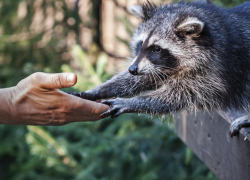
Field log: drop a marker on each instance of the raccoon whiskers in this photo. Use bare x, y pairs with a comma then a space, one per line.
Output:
164, 75
153, 75
157, 77
133, 87
159, 74
150, 76
165, 68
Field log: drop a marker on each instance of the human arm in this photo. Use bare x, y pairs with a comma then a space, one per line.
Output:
36, 100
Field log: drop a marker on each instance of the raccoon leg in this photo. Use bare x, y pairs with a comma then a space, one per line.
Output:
239, 123
123, 84
152, 104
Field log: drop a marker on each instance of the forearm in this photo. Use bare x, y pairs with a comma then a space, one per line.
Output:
121, 85
6, 112
149, 105
153, 103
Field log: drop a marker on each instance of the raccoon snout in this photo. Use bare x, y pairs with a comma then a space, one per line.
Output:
133, 69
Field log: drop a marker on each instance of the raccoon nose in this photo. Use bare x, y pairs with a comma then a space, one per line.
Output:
133, 70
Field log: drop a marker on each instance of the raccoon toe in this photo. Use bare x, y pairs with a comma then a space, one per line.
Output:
84, 95
234, 130
238, 124
107, 113
118, 106
109, 102
120, 111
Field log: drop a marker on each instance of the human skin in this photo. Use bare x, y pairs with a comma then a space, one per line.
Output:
37, 100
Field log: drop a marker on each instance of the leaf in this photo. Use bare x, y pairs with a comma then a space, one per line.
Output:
81, 57
101, 64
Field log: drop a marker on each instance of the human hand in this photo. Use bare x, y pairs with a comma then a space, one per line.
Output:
36, 100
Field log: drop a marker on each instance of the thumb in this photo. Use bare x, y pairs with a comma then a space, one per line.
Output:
57, 81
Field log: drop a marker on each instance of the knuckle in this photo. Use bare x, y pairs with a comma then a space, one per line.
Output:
63, 116
57, 81
36, 77
57, 118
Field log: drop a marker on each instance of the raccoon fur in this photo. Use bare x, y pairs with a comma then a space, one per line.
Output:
185, 55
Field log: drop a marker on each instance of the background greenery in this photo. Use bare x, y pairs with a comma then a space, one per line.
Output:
129, 147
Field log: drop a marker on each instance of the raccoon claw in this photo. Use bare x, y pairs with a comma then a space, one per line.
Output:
83, 95
234, 130
117, 107
114, 112
238, 124
74, 94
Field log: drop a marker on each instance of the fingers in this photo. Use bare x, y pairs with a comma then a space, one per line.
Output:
81, 110
84, 106
54, 81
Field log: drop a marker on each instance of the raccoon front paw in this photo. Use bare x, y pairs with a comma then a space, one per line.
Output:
237, 124
118, 106
84, 95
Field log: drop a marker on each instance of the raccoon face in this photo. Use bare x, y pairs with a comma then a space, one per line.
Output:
151, 57
164, 41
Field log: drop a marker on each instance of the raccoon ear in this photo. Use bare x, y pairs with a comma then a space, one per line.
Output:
144, 11
137, 11
190, 27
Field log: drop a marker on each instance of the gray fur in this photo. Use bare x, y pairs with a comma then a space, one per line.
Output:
207, 63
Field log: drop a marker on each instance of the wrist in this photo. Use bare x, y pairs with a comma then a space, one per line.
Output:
6, 107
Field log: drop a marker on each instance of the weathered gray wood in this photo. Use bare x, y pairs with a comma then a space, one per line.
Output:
207, 135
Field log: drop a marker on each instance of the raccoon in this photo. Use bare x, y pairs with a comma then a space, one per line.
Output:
185, 55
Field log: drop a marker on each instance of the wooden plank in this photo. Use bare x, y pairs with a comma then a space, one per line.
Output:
207, 135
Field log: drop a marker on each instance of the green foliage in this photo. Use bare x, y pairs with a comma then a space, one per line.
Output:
228, 3
129, 147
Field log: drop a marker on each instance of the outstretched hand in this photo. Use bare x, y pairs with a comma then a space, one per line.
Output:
36, 100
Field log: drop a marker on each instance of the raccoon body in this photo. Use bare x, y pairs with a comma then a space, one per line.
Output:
185, 55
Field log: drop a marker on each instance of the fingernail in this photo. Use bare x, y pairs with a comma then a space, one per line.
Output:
71, 79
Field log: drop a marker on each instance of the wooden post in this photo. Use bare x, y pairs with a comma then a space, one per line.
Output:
207, 135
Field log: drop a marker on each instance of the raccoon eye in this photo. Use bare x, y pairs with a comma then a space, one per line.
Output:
157, 49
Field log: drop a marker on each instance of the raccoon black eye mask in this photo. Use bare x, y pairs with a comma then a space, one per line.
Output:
186, 55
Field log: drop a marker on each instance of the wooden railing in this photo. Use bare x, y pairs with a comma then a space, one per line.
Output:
208, 136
